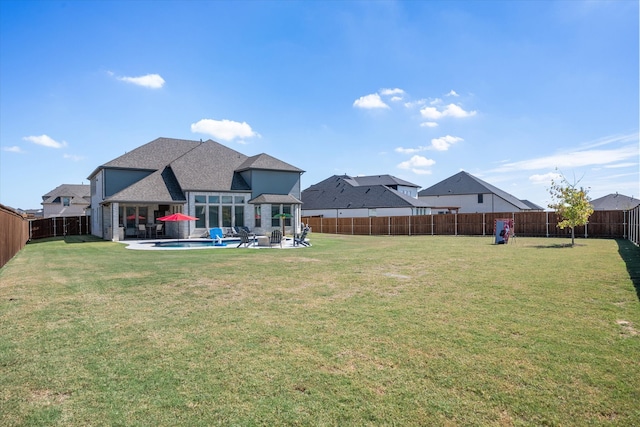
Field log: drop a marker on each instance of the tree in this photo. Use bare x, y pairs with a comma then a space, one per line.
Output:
571, 203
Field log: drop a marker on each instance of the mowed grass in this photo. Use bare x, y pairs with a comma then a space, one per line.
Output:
355, 330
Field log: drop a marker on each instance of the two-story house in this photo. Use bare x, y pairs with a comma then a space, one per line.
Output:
207, 180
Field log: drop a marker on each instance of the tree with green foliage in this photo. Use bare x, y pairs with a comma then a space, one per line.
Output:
571, 203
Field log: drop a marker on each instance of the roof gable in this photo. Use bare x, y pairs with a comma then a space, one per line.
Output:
80, 194
210, 166
153, 155
339, 192
266, 162
388, 180
463, 183
612, 202
160, 186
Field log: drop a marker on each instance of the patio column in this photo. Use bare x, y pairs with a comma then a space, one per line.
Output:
115, 222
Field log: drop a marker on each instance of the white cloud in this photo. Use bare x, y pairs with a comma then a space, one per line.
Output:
389, 92
45, 141
621, 165
418, 103
370, 102
13, 149
444, 142
574, 159
451, 110
429, 124
454, 110
227, 130
396, 98
431, 113
452, 93
417, 164
545, 178
151, 81
410, 150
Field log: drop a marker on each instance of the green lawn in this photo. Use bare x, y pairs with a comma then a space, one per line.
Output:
355, 330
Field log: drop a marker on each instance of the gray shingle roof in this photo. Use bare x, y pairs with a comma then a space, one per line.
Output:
464, 183
339, 192
284, 199
209, 167
180, 165
79, 193
388, 180
266, 162
153, 155
159, 187
613, 202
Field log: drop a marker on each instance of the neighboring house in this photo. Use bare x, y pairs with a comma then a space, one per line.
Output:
464, 193
614, 202
362, 196
66, 200
207, 180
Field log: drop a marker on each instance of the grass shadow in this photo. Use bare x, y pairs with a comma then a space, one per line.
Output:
556, 246
86, 238
630, 253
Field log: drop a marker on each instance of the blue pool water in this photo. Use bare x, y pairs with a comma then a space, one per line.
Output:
193, 244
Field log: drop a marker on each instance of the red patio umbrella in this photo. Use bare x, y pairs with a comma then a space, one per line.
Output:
177, 217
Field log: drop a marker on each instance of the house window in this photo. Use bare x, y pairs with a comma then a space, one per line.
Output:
226, 215
66, 201
239, 215
214, 216
200, 214
276, 210
258, 216
373, 212
480, 198
219, 211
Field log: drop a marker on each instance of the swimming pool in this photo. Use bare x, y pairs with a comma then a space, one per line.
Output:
194, 243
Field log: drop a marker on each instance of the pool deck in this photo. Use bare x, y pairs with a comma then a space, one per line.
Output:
148, 244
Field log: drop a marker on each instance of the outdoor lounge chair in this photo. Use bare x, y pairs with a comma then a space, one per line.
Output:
142, 230
216, 233
159, 230
245, 239
302, 240
276, 238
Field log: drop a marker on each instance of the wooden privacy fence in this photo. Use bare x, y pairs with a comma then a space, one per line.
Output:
60, 226
14, 233
609, 224
634, 225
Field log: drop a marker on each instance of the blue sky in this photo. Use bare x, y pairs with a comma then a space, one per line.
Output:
511, 92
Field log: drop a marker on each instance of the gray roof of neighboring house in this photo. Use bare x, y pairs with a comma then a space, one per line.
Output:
280, 199
79, 193
614, 202
340, 192
388, 180
532, 205
180, 165
464, 183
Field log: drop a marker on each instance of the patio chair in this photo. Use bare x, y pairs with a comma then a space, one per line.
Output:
244, 239
216, 233
142, 231
276, 238
159, 230
302, 240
